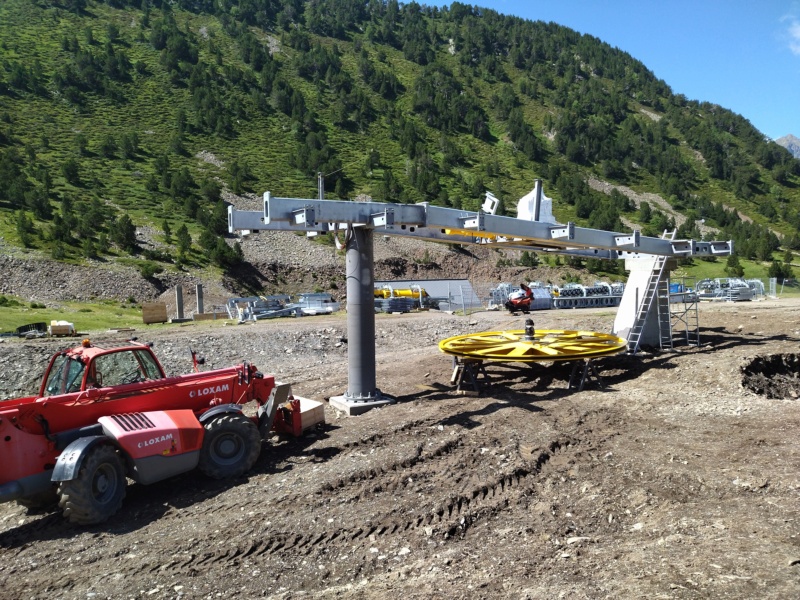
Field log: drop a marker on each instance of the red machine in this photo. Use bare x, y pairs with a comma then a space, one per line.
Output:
103, 415
520, 301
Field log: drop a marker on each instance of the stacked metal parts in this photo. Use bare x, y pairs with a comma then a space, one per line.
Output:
395, 304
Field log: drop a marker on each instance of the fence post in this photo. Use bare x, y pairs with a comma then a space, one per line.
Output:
179, 301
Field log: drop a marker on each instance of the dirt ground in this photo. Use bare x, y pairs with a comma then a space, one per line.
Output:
675, 480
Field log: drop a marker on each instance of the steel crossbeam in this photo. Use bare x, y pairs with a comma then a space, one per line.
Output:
449, 225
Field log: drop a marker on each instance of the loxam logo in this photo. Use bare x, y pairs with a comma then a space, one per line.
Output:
155, 440
207, 391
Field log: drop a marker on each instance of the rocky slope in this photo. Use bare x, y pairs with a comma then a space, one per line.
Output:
276, 262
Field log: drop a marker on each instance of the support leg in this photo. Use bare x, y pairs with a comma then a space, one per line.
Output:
466, 369
583, 371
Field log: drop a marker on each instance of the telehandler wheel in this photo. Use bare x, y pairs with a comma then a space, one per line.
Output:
98, 491
230, 447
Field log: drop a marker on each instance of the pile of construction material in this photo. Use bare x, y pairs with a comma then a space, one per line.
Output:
395, 304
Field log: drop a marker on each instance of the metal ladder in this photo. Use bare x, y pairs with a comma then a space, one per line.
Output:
664, 314
657, 290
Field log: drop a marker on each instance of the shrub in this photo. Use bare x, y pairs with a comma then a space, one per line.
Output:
9, 302
58, 251
149, 269
157, 255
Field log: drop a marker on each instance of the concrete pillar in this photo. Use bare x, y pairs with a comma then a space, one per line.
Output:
178, 302
199, 289
641, 269
362, 393
537, 199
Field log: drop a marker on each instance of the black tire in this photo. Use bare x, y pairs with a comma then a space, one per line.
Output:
99, 489
230, 447
40, 501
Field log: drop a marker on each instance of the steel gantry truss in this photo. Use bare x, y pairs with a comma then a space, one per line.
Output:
361, 220
455, 226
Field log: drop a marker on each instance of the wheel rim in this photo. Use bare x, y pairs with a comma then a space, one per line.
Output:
104, 483
228, 449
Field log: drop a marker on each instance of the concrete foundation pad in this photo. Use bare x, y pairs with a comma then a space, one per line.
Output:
358, 407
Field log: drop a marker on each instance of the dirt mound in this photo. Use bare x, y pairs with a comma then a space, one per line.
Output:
774, 375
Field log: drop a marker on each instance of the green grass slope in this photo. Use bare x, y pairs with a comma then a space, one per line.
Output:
150, 111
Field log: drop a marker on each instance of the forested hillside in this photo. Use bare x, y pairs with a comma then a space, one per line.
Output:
141, 113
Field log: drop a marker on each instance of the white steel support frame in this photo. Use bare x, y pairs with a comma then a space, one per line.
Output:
361, 220
684, 315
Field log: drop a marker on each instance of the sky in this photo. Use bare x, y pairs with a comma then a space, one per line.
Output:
741, 54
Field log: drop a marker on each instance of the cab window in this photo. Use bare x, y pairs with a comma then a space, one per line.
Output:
65, 376
149, 365
124, 367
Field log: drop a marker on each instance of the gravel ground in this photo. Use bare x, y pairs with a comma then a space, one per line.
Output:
674, 480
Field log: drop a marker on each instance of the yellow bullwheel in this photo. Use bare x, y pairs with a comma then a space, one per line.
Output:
544, 345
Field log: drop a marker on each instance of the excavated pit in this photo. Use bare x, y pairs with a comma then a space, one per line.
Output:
773, 375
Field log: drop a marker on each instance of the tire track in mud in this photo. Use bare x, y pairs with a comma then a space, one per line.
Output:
422, 452
449, 519
474, 500
390, 477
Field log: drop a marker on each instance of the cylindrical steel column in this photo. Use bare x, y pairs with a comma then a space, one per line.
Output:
360, 315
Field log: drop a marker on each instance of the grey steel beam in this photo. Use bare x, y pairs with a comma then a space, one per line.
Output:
253, 220
429, 235
456, 226
339, 211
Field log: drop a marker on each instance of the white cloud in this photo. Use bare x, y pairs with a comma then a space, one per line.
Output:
792, 32
794, 36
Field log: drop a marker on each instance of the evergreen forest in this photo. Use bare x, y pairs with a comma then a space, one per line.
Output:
120, 114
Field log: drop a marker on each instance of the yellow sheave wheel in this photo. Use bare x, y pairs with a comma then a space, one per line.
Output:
547, 345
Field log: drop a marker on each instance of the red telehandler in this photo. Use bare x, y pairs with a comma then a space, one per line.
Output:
103, 415
520, 300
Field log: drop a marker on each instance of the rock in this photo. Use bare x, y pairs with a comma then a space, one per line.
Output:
576, 540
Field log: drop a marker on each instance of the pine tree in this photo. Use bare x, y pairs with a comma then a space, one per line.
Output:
25, 229
167, 232
123, 233
184, 241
